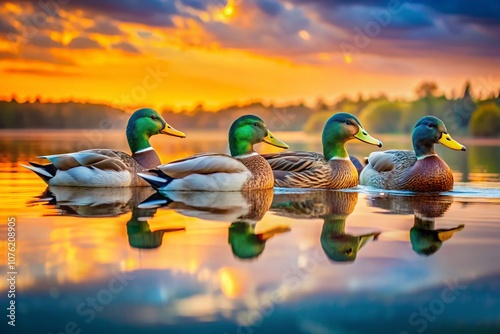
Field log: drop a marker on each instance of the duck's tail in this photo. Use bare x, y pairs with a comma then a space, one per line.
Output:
155, 201
156, 178
357, 163
45, 172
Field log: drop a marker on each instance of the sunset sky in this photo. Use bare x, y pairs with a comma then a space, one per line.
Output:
181, 52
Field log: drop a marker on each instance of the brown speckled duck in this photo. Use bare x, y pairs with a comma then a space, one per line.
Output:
245, 169
424, 237
109, 168
333, 207
333, 169
419, 170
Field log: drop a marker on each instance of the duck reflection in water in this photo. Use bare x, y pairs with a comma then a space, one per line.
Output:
243, 209
108, 202
139, 233
92, 202
425, 239
333, 207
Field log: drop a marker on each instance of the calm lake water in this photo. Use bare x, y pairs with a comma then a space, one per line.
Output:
288, 261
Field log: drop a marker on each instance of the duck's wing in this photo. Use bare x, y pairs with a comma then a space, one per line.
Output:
208, 163
99, 158
393, 160
291, 161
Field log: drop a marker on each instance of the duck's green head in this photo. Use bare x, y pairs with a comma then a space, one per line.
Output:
344, 247
339, 129
245, 244
145, 123
339, 246
247, 131
428, 131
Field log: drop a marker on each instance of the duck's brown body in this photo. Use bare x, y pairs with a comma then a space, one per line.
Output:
311, 170
404, 172
429, 174
262, 174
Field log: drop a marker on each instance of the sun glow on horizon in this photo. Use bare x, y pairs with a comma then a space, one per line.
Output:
214, 54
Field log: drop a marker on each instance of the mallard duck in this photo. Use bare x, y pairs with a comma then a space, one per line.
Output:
418, 170
246, 243
243, 209
139, 232
333, 169
424, 238
333, 207
109, 168
93, 202
245, 169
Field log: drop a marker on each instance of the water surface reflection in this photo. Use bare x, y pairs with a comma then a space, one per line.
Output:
424, 237
333, 207
243, 263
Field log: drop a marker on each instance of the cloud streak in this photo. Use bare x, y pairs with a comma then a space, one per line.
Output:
277, 27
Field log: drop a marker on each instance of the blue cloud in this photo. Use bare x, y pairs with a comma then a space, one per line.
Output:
420, 27
197, 4
270, 7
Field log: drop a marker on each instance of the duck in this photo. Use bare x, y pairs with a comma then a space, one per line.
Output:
92, 202
333, 207
333, 169
243, 210
246, 243
139, 232
425, 239
420, 170
243, 170
106, 167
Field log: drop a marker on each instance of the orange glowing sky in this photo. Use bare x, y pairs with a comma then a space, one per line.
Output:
182, 52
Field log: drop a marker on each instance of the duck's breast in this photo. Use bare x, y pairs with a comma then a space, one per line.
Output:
343, 174
261, 173
428, 175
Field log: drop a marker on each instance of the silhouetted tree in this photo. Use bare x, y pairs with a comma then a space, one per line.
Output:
320, 105
464, 108
426, 89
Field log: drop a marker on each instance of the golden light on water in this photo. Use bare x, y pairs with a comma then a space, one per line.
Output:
347, 58
232, 282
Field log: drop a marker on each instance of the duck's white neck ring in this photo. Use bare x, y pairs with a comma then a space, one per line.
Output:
426, 156
339, 158
144, 150
243, 156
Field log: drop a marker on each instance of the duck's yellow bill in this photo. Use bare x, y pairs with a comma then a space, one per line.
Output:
364, 239
449, 142
169, 130
272, 140
271, 233
365, 137
447, 234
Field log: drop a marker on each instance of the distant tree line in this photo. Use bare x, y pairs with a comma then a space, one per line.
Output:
71, 115
463, 114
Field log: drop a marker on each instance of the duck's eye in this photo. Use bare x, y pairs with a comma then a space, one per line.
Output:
348, 252
348, 122
153, 117
255, 124
430, 125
